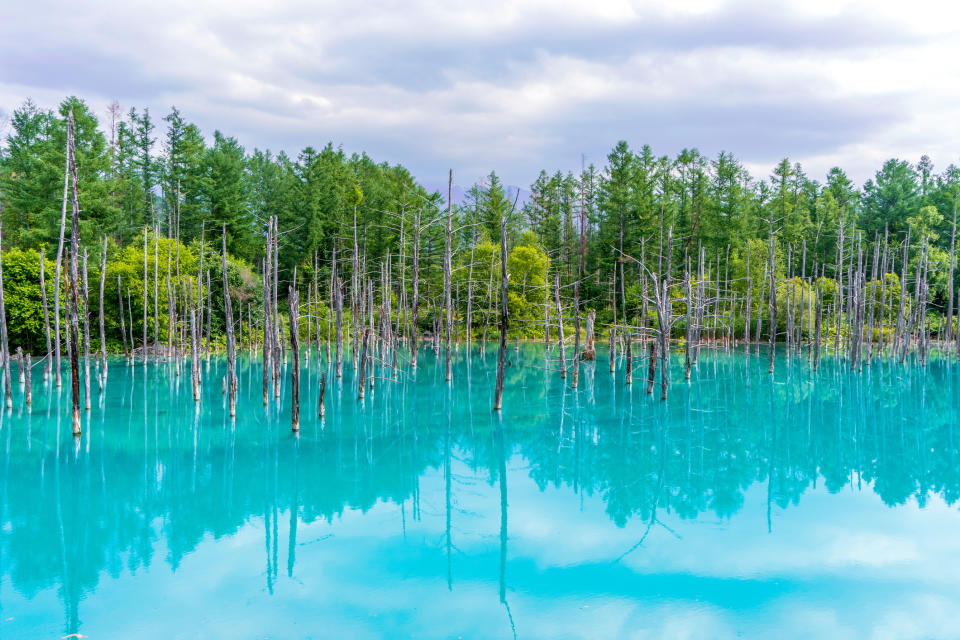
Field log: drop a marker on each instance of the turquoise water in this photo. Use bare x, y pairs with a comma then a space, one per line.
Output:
802, 505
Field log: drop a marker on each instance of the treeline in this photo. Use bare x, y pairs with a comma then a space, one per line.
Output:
601, 229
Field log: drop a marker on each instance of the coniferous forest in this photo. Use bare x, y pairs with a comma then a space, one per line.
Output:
169, 220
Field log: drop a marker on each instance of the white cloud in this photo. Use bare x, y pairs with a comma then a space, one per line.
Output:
516, 86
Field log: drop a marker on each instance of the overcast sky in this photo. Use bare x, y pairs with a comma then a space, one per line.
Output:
515, 86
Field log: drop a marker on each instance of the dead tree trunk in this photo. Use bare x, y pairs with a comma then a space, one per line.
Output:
560, 339
953, 247
231, 340
689, 329
749, 311
130, 323
86, 335
575, 374
838, 289
504, 319
209, 314
898, 336
652, 367
4, 344
338, 303
362, 374
448, 277
590, 348
612, 335
171, 323
28, 389
279, 351
819, 321
486, 318
295, 354
59, 267
415, 305
74, 282
267, 316
194, 345
46, 315
144, 296
323, 390
103, 333
123, 324
773, 297
156, 290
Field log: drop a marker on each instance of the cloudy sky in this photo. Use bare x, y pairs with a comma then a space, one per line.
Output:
515, 86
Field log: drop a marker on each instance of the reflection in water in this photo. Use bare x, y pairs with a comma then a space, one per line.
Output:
152, 475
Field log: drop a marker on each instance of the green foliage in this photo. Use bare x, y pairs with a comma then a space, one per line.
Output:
23, 299
591, 227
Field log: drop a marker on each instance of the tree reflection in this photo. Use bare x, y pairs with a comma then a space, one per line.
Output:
72, 513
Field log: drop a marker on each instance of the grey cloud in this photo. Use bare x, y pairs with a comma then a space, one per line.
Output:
85, 72
409, 91
424, 63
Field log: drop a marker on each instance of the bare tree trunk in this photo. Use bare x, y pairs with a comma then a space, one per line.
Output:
415, 304
194, 344
59, 267
295, 353
748, 314
145, 295
819, 325
575, 375
279, 351
469, 319
323, 390
228, 319
953, 246
560, 340
4, 344
103, 333
130, 322
362, 375
664, 321
773, 298
504, 319
46, 315
74, 282
209, 314
590, 349
448, 276
882, 337
486, 319
28, 389
690, 314
898, 337
652, 367
171, 322
200, 297
612, 336
123, 327
839, 291
354, 294
156, 289
267, 316
338, 304
86, 335
309, 321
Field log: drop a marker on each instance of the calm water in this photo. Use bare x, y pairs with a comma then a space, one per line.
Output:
806, 505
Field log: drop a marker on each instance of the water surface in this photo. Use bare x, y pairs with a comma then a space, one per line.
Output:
794, 506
